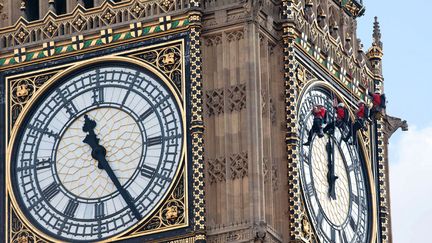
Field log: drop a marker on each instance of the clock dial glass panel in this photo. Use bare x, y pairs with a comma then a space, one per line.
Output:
60, 186
345, 218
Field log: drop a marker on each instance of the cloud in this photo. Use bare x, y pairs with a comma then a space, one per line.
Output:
411, 185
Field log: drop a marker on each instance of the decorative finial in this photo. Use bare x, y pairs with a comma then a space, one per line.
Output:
360, 53
348, 46
377, 33
23, 9
51, 6
81, 2
321, 12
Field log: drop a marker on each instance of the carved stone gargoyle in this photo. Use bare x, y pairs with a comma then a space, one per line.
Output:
392, 124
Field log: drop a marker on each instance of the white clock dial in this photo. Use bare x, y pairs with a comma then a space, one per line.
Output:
78, 171
335, 210
344, 218
98, 152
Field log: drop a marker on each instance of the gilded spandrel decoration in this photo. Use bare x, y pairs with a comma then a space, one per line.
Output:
366, 140
307, 232
166, 59
22, 90
19, 233
172, 213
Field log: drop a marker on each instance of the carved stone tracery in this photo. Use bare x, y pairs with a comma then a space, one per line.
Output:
233, 97
216, 170
236, 97
214, 102
239, 165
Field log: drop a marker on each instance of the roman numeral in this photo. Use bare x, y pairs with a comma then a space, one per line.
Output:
342, 235
99, 210
71, 208
154, 141
146, 114
310, 189
132, 83
351, 167
51, 191
43, 164
45, 131
98, 95
69, 105
352, 223
355, 198
147, 171
320, 218
333, 235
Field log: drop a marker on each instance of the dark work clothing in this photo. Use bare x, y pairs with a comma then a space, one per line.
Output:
320, 117
341, 120
332, 125
316, 128
357, 125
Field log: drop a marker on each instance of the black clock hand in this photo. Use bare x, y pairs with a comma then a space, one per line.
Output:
331, 177
99, 154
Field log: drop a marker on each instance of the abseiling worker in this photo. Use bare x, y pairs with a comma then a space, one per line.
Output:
319, 112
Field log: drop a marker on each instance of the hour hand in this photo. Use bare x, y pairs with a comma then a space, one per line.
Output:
99, 154
98, 151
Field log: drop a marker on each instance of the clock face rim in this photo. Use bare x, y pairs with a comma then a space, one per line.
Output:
365, 163
17, 132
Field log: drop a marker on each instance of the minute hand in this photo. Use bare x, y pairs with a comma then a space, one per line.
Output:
331, 177
125, 194
99, 153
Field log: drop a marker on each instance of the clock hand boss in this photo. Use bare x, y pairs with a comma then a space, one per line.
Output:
99, 154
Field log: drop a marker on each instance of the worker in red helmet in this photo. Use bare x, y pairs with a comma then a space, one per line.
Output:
378, 104
361, 116
319, 113
341, 119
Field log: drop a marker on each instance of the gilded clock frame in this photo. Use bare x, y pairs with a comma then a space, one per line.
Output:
128, 57
368, 167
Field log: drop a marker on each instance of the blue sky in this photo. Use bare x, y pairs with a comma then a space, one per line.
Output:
406, 28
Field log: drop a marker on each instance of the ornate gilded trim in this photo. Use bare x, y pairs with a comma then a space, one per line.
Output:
22, 87
382, 181
363, 147
354, 8
21, 90
197, 127
168, 59
330, 54
79, 42
291, 138
83, 20
173, 213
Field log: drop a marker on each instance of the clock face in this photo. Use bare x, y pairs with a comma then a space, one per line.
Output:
98, 152
339, 210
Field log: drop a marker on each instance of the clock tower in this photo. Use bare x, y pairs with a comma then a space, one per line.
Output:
186, 121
